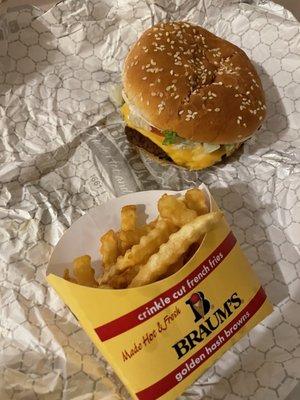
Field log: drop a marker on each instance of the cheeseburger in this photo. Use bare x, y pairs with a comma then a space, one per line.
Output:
191, 98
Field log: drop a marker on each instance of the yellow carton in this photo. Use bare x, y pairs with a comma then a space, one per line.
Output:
159, 338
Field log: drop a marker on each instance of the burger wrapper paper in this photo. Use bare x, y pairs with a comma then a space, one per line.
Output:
63, 151
160, 337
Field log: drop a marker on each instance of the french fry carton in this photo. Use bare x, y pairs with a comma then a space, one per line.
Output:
161, 337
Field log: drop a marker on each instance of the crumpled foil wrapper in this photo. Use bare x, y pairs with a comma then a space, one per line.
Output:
62, 151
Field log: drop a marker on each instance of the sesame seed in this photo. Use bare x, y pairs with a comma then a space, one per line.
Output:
245, 125
217, 109
171, 72
176, 97
144, 78
238, 121
260, 118
161, 107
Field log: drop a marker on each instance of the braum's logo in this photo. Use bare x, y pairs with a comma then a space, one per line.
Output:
199, 305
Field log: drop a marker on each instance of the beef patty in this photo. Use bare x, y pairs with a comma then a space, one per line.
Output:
139, 140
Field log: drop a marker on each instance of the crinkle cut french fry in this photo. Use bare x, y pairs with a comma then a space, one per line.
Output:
195, 200
177, 244
67, 276
175, 210
127, 239
128, 218
104, 286
83, 271
172, 269
139, 253
109, 248
123, 280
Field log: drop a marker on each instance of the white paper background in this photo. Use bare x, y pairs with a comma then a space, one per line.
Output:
62, 151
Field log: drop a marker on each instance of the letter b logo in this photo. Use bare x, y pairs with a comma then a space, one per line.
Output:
199, 305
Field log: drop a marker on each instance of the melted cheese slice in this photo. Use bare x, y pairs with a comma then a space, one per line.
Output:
192, 158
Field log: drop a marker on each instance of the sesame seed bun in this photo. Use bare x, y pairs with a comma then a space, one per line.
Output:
181, 77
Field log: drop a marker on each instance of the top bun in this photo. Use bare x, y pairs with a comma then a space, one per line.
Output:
181, 77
